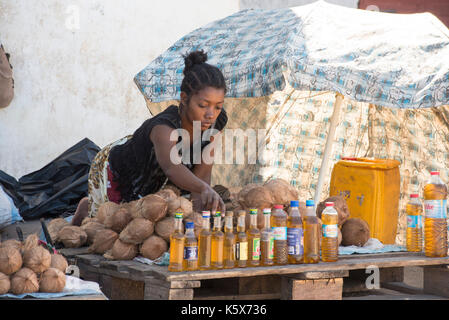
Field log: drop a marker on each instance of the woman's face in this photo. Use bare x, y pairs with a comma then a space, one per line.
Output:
205, 106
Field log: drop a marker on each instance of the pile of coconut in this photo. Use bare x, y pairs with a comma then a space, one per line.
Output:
27, 267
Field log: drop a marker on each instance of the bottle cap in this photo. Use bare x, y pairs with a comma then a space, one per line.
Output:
178, 215
252, 211
206, 214
434, 173
310, 203
279, 206
190, 225
217, 214
229, 214
414, 195
266, 211
294, 203
329, 204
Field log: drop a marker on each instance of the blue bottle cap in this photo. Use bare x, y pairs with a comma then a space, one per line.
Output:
294, 203
310, 203
190, 225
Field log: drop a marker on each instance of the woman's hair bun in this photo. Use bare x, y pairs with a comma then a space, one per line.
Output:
193, 58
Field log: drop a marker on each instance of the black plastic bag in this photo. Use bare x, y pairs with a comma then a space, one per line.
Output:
56, 188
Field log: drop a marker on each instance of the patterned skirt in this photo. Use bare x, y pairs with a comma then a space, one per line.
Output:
98, 177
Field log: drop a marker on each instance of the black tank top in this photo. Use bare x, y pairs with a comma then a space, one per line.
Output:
134, 164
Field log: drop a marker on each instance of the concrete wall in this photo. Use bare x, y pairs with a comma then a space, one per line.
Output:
270, 4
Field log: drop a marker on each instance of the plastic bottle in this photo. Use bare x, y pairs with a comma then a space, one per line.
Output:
229, 242
311, 234
414, 210
435, 223
190, 248
204, 243
253, 235
217, 240
295, 234
329, 240
176, 245
279, 226
241, 245
267, 240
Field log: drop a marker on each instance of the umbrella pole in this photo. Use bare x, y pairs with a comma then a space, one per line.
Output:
329, 143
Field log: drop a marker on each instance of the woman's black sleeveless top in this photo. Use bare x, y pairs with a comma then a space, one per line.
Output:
134, 164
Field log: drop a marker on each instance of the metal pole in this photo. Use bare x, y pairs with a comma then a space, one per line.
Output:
328, 148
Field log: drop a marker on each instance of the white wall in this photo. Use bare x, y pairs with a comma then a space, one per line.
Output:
76, 83
275, 4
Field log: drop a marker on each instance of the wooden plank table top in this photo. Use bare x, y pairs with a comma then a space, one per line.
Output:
345, 262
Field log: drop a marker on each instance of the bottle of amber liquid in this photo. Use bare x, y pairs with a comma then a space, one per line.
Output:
204, 243
176, 245
217, 241
253, 240
229, 242
267, 240
190, 249
311, 234
295, 239
241, 244
329, 239
414, 233
279, 226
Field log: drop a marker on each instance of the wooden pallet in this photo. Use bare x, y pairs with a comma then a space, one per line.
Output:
135, 280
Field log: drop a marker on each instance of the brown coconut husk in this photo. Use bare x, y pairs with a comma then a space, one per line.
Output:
355, 231
10, 260
167, 194
54, 226
106, 209
37, 259
281, 191
59, 262
12, 243
30, 242
124, 251
91, 228
89, 219
151, 207
180, 204
153, 247
118, 220
137, 231
242, 193
5, 283
24, 281
72, 237
165, 227
103, 241
339, 204
52, 280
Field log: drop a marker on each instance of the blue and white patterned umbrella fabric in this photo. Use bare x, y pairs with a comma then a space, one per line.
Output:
393, 60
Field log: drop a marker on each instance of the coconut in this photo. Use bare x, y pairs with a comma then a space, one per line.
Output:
242, 193
339, 204
72, 236
258, 197
52, 280
172, 187
91, 228
355, 231
106, 209
165, 227
24, 281
153, 247
124, 251
37, 259
118, 220
180, 204
137, 231
59, 262
10, 260
88, 219
5, 283
151, 207
340, 236
103, 241
54, 226
16, 244
281, 191
167, 194
31, 242
223, 192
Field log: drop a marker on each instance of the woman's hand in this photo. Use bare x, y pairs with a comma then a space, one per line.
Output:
211, 200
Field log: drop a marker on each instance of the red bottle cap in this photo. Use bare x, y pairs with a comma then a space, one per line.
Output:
434, 173
414, 195
329, 204
279, 206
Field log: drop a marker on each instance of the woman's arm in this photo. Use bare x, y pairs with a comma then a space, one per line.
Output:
178, 173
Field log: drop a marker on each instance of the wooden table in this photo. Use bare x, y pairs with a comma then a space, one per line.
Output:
135, 280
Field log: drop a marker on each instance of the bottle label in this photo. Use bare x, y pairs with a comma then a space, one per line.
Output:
330, 230
280, 233
241, 251
435, 209
191, 253
256, 249
295, 241
414, 221
270, 253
